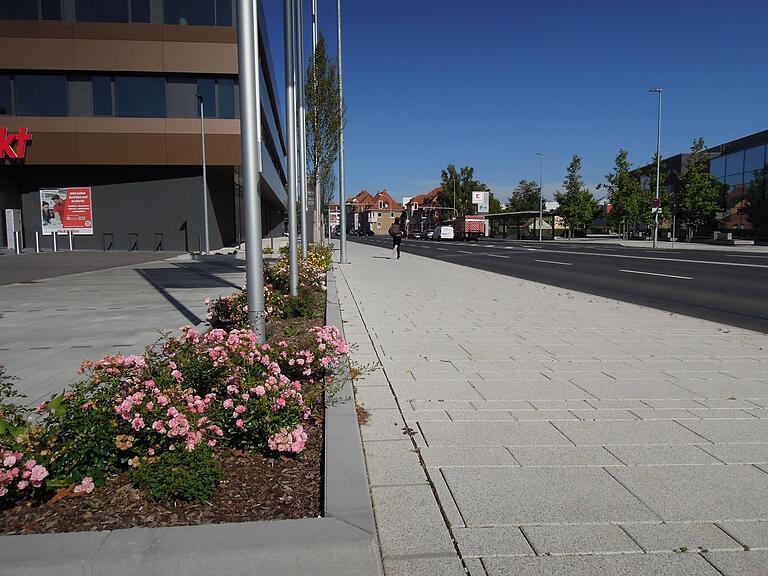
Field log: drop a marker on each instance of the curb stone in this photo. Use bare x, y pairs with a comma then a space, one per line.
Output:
343, 542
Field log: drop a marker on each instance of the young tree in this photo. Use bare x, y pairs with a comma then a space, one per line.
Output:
324, 120
524, 197
756, 207
494, 204
647, 194
465, 183
699, 190
624, 194
577, 205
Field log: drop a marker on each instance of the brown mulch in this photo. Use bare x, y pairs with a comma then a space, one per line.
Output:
289, 328
253, 487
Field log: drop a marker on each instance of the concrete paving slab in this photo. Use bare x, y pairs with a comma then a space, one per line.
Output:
680, 537
394, 462
475, 415
517, 390
662, 455
635, 390
503, 405
485, 541
409, 521
442, 456
435, 566
665, 414
752, 535
738, 453
721, 413
487, 496
739, 563
549, 415
579, 539
375, 398
592, 414
731, 431
492, 434
625, 432
561, 404
383, 425
564, 456
437, 390
602, 565
685, 494
456, 405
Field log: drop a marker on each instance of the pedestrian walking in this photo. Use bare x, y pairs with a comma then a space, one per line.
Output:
397, 232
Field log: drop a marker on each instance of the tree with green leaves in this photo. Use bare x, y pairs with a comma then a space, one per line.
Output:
624, 194
756, 206
465, 183
699, 190
524, 197
324, 120
577, 205
494, 204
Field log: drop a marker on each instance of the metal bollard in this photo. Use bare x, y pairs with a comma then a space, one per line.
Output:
37, 242
69, 233
17, 241
53, 238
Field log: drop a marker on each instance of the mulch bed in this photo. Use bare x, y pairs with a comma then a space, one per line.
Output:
253, 487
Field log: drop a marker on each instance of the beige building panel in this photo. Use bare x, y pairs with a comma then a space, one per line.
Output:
212, 126
97, 125
37, 53
121, 149
38, 124
118, 56
200, 57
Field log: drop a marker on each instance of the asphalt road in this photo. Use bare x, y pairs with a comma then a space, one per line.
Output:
730, 287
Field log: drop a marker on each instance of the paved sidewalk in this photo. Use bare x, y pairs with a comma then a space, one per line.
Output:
518, 428
47, 327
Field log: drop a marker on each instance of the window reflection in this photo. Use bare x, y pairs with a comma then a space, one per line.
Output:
734, 163
102, 10
102, 96
18, 10
41, 95
5, 94
140, 96
717, 167
190, 12
51, 9
754, 159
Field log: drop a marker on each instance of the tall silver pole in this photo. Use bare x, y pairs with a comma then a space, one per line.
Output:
658, 167
302, 123
205, 179
318, 228
290, 115
541, 188
342, 191
250, 135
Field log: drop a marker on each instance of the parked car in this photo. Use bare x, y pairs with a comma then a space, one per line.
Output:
443, 233
416, 235
428, 234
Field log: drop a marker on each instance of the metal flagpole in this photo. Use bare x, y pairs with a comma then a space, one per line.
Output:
290, 115
342, 191
302, 123
658, 170
318, 228
205, 179
541, 194
250, 135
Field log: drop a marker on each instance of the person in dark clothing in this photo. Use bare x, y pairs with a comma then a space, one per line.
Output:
397, 233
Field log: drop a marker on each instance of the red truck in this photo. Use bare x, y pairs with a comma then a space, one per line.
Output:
469, 227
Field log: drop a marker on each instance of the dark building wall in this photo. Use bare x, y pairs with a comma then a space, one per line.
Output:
146, 211
9, 198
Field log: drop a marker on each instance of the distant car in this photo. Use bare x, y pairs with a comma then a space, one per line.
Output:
428, 235
416, 235
443, 233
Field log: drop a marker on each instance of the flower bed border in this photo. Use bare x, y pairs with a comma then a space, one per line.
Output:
343, 542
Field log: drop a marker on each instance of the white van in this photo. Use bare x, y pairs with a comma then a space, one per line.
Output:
443, 233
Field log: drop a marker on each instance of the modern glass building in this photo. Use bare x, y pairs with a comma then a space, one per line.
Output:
108, 91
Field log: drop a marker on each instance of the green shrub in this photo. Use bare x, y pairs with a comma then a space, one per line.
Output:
179, 474
308, 304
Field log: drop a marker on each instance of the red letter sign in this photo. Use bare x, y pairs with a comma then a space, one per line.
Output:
6, 144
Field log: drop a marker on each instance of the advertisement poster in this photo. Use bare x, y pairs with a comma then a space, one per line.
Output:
66, 209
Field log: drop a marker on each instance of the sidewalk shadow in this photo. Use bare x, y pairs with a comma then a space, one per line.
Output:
383, 257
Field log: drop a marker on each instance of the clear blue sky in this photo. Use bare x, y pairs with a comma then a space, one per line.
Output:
490, 83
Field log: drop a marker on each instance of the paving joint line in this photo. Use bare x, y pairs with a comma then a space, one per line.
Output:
635, 496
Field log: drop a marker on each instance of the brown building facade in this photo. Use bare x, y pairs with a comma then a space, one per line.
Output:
108, 91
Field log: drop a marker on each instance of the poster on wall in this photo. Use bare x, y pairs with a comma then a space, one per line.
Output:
64, 210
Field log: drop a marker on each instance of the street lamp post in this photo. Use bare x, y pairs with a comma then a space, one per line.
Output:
658, 169
205, 179
302, 125
541, 187
290, 115
342, 191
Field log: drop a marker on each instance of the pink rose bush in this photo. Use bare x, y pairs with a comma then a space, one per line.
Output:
17, 475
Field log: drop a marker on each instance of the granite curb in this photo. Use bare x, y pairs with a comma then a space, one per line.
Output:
343, 542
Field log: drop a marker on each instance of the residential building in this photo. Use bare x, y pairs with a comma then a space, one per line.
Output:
383, 212
108, 91
357, 210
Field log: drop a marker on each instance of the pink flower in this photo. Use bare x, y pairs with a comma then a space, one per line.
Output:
240, 423
9, 460
22, 484
259, 391
137, 423
228, 403
240, 409
86, 486
37, 475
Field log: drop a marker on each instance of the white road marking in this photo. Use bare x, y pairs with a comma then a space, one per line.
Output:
746, 256
496, 255
656, 274
553, 262
657, 252
465, 252
686, 260
443, 249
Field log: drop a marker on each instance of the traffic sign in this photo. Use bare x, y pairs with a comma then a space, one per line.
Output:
656, 203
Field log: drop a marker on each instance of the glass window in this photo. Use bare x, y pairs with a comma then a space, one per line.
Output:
224, 12
102, 10
754, 159
181, 98
51, 9
41, 95
102, 96
734, 163
140, 11
226, 96
18, 10
5, 94
206, 88
140, 96
717, 167
80, 96
190, 12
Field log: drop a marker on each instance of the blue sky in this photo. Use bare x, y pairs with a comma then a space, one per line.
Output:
490, 83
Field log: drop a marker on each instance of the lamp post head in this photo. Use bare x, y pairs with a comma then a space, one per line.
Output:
659, 90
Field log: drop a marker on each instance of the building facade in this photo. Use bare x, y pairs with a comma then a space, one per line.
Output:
109, 92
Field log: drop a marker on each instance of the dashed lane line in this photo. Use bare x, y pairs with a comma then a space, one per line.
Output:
554, 262
657, 274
